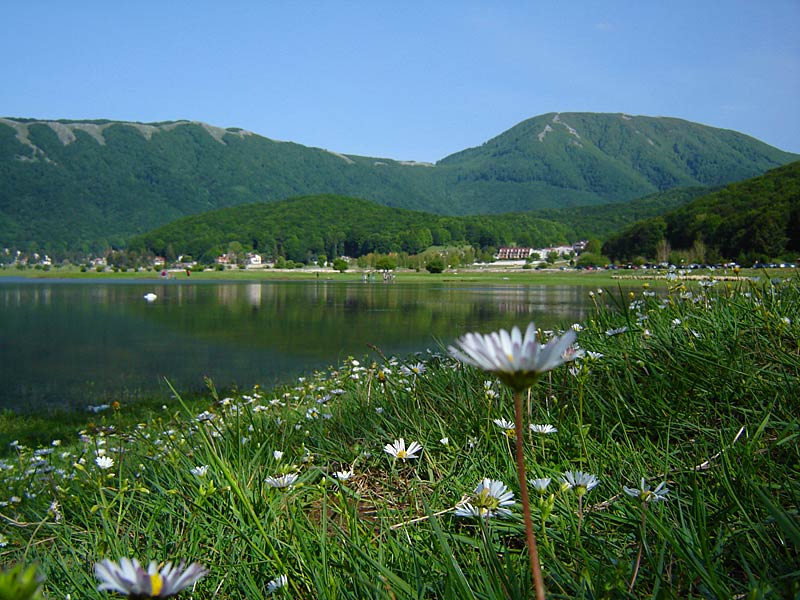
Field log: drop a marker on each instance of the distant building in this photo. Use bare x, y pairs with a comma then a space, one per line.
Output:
159, 261
514, 253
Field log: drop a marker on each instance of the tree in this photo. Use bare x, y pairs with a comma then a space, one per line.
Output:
340, 265
385, 263
435, 265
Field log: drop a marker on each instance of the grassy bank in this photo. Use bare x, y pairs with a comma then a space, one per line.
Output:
490, 274
694, 389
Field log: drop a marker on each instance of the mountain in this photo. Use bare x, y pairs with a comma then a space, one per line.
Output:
307, 226
584, 158
752, 220
90, 184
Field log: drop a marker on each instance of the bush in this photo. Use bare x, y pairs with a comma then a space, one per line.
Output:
435, 265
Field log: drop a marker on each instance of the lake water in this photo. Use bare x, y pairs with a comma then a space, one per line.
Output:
70, 344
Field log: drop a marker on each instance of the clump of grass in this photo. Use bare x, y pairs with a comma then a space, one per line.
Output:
288, 492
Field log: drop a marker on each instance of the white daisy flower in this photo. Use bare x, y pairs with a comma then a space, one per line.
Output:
104, 462
130, 579
543, 429
507, 426
645, 494
490, 499
579, 481
398, 449
278, 582
281, 481
516, 359
540, 485
199, 471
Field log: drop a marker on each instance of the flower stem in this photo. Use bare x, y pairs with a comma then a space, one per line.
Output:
641, 548
533, 552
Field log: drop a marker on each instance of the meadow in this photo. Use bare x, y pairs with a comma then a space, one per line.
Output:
662, 462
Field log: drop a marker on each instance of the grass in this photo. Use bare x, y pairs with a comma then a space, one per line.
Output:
697, 389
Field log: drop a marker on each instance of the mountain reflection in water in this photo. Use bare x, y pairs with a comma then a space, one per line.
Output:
75, 343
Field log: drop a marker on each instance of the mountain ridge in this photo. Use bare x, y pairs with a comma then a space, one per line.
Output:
98, 182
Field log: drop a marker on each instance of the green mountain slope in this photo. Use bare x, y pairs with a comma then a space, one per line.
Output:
91, 184
298, 228
584, 158
755, 219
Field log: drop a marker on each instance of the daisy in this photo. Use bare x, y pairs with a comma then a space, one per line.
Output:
343, 475
104, 462
507, 426
645, 494
282, 481
579, 481
516, 359
540, 485
489, 500
543, 429
129, 578
416, 369
278, 582
199, 471
398, 449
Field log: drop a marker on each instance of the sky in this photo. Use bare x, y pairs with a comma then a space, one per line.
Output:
404, 80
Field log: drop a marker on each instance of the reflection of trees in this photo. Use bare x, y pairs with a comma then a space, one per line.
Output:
324, 319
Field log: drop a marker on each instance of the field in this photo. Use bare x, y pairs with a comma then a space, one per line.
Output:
669, 470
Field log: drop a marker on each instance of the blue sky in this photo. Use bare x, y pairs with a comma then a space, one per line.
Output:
405, 80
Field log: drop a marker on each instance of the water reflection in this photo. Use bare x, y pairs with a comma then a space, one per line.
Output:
65, 342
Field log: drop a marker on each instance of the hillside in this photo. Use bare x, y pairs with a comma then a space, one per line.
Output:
570, 159
91, 184
756, 219
302, 227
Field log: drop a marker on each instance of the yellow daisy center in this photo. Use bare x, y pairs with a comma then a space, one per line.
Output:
156, 584
402, 454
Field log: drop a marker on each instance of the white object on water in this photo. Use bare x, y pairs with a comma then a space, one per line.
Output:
150, 297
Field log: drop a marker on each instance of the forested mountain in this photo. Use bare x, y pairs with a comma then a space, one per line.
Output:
91, 184
303, 227
756, 219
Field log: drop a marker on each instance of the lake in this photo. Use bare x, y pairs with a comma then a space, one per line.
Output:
73, 343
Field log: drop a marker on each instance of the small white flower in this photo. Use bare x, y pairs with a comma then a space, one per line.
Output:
490, 499
786, 320
343, 475
278, 582
540, 485
398, 449
444, 441
199, 471
379, 410
617, 331
543, 429
282, 481
579, 481
277, 454
415, 369
577, 327
507, 426
130, 579
104, 462
516, 359
645, 494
